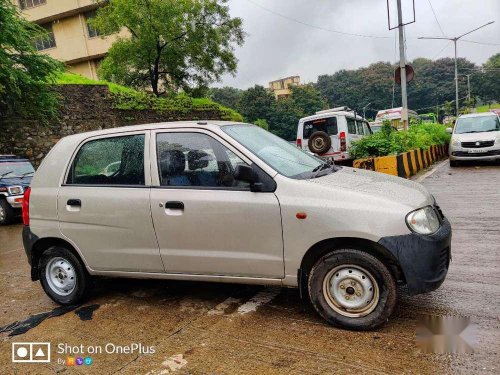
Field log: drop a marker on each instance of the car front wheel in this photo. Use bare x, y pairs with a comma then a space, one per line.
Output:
6, 212
352, 289
63, 276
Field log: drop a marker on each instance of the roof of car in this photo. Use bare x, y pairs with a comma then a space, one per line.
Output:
331, 114
482, 114
10, 158
159, 125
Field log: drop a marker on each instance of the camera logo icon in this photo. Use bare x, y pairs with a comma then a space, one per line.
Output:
30, 352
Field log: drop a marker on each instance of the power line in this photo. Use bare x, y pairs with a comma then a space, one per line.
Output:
482, 43
435, 17
442, 49
315, 26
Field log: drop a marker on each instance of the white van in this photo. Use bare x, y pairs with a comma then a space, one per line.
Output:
329, 133
230, 202
394, 116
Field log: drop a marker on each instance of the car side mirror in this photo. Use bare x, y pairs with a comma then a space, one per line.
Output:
246, 173
449, 130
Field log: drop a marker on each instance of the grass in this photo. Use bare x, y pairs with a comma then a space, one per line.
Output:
129, 99
486, 108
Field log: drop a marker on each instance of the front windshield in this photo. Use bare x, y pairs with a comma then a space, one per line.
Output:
477, 124
283, 157
12, 169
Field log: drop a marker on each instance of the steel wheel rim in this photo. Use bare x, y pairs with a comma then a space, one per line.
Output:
318, 143
61, 276
2, 213
351, 291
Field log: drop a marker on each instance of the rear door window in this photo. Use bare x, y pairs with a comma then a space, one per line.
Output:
327, 125
366, 128
351, 125
109, 161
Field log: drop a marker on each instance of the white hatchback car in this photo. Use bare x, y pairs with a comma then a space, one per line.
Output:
476, 136
226, 202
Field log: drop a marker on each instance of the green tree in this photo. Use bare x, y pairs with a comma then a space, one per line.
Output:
487, 85
173, 44
307, 99
227, 96
256, 103
24, 73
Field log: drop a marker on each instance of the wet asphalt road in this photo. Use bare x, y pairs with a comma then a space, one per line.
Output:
202, 328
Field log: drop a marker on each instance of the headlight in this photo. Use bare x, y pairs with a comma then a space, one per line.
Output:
455, 142
423, 220
15, 190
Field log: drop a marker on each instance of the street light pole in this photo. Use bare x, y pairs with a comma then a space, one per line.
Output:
364, 108
402, 66
455, 40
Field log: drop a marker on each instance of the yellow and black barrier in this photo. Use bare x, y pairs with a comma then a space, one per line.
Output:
405, 164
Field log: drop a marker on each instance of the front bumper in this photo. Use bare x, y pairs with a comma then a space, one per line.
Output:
487, 153
424, 259
16, 201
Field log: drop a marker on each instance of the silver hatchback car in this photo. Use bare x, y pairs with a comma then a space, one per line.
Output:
226, 202
476, 136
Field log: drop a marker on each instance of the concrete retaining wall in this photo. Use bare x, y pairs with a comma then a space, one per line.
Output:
406, 164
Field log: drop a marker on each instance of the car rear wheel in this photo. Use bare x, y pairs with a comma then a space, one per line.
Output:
319, 142
352, 289
6, 212
63, 276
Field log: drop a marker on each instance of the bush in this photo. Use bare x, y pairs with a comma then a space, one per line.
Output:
390, 142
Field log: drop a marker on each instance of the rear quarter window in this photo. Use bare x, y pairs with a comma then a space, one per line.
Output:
109, 161
327, 125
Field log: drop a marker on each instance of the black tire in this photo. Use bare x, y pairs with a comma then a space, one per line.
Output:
83, 279
377, 314
453, 163
319, 142
7, 213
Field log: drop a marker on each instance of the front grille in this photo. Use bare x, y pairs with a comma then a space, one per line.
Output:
478, 144
476, 154
444, 258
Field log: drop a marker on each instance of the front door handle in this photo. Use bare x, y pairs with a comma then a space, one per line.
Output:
174, 205
74, 202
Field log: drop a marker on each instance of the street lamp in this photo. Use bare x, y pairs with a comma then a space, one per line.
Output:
455, 40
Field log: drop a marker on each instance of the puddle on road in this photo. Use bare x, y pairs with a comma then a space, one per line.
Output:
86, 312
20, 327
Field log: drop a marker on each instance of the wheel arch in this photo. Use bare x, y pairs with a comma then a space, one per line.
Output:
43, 244
323, 247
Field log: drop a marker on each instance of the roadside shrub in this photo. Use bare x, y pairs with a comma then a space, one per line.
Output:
389, 141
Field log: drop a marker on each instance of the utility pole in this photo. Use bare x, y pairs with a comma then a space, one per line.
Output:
402, 66
455, 40
364, 109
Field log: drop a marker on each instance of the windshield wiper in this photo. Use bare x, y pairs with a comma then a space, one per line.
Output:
321, 167
25, 174
5, 174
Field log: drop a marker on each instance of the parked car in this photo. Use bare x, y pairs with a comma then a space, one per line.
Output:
15, 177
226, 202
476, 136
428, 118
394, 116
329, 133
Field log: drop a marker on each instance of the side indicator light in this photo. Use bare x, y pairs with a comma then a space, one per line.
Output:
301, 215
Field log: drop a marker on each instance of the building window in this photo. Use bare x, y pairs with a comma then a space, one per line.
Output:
26, 4
45, 41
93, 32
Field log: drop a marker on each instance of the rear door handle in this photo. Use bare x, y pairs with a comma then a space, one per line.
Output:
74, 202
174, 205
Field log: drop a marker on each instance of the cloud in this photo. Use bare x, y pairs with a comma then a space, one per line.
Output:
279, 46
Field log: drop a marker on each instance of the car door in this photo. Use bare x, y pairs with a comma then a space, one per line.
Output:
104, 206
206, 222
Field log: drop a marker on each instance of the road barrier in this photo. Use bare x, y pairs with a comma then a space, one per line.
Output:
405, 164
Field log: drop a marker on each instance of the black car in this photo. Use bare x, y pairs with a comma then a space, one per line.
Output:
15, 177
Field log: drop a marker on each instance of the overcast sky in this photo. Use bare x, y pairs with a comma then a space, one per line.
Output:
289, 36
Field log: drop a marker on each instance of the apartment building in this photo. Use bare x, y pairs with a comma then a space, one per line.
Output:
70, 38
281, 87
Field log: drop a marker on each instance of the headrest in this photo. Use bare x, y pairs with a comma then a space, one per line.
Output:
198, 159
172, 162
